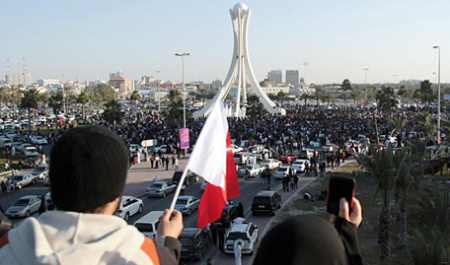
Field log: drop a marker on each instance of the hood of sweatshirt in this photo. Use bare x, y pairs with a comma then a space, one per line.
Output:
60, 237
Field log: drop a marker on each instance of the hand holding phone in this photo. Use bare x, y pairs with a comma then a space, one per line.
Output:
340, 187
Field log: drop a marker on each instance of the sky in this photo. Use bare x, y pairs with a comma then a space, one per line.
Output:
88, 39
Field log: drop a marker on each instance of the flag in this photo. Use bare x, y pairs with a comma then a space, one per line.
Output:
213, 159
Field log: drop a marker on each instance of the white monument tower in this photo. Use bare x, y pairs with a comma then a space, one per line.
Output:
240, 71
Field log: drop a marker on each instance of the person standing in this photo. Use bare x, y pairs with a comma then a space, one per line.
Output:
240, 210
213, 231
152, 160
167, 163
221, 236
238, 252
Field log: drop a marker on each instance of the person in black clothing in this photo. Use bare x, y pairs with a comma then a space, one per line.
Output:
42, 207
240, 210
313, 240
213, 231
221, 235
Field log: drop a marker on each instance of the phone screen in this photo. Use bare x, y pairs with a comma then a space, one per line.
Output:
340, 187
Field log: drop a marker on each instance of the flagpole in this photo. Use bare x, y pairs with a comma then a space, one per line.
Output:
177, 191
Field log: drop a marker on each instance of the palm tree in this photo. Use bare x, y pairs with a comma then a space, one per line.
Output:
346, 86
113, 112
176, 111
282, 96
428, 126
174, 94
305, 97
254, 109
83, 99
385, 166
30, 101
318, 94
4, 96
386, 99
136, 97
55, 102
398, 123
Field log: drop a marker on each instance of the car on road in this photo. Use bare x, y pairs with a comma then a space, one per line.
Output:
191, 177
306, 153
160, 189
148, 224
194, 243
229, 213
246, 234
187, 204
129, 206
41, 172
288, 158
271, 163
29, 151
135, 147
162, 148
24, 206
20, 181
300, 165
266, 201
283, 171
252, 169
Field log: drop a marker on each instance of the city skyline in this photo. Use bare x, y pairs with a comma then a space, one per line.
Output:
86, 40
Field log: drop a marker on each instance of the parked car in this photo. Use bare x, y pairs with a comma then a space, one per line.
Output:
160, 189
39, 140
187, 204
129, 206
229, 213
283, 171
191, 177
266, 202
236, 148
194, 243
288, 158
24, 206
247, 234
30, 151
271, 163
300, 165
21, 181
253, 170
41, 172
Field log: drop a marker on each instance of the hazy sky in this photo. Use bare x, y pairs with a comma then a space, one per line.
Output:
89, 39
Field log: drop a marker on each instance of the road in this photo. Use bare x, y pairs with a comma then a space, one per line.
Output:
139, 178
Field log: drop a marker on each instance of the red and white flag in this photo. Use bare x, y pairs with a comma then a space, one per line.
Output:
213, 159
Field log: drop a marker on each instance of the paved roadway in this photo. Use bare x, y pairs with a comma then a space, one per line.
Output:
139, 178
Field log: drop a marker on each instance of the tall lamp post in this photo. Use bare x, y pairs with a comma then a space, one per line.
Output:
182, 54
305, 64
439, 94
365, 84
159, 93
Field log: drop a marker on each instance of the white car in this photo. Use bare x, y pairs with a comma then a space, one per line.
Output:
253, 170
39, 140
41, 172
271, 163
300, 165
30, 151
246, 234
236, 148
163, 149
129, 206
24, 206
135, 147
283, 171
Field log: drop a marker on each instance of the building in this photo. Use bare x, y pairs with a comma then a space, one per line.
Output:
276, 76
112, 75
217, 84
147, 80
292, 78
122, 84
18, 79
48, 82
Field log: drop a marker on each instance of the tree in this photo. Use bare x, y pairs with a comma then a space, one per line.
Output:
428, 126
346, 86
386, 99
176, 111
83, 99
113, 113
254, 109
136, 97
426, 93
282, 96
318, 94
55, 102
385, 166
174, 94
398, 123
356, 94
4, 97
100, 93
305, 97
28, 102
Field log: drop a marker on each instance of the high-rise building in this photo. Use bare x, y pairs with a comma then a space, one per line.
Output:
216, 84
292, 77
276, 76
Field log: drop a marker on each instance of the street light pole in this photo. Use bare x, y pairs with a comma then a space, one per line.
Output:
182, 54
439, 94
365, 84
305, 64
159, 93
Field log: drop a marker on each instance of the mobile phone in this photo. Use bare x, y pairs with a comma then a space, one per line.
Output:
340, 187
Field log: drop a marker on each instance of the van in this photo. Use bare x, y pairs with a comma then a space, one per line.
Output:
241, 157
306, 153
266, 201
194, 242
148, 224
191, 177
